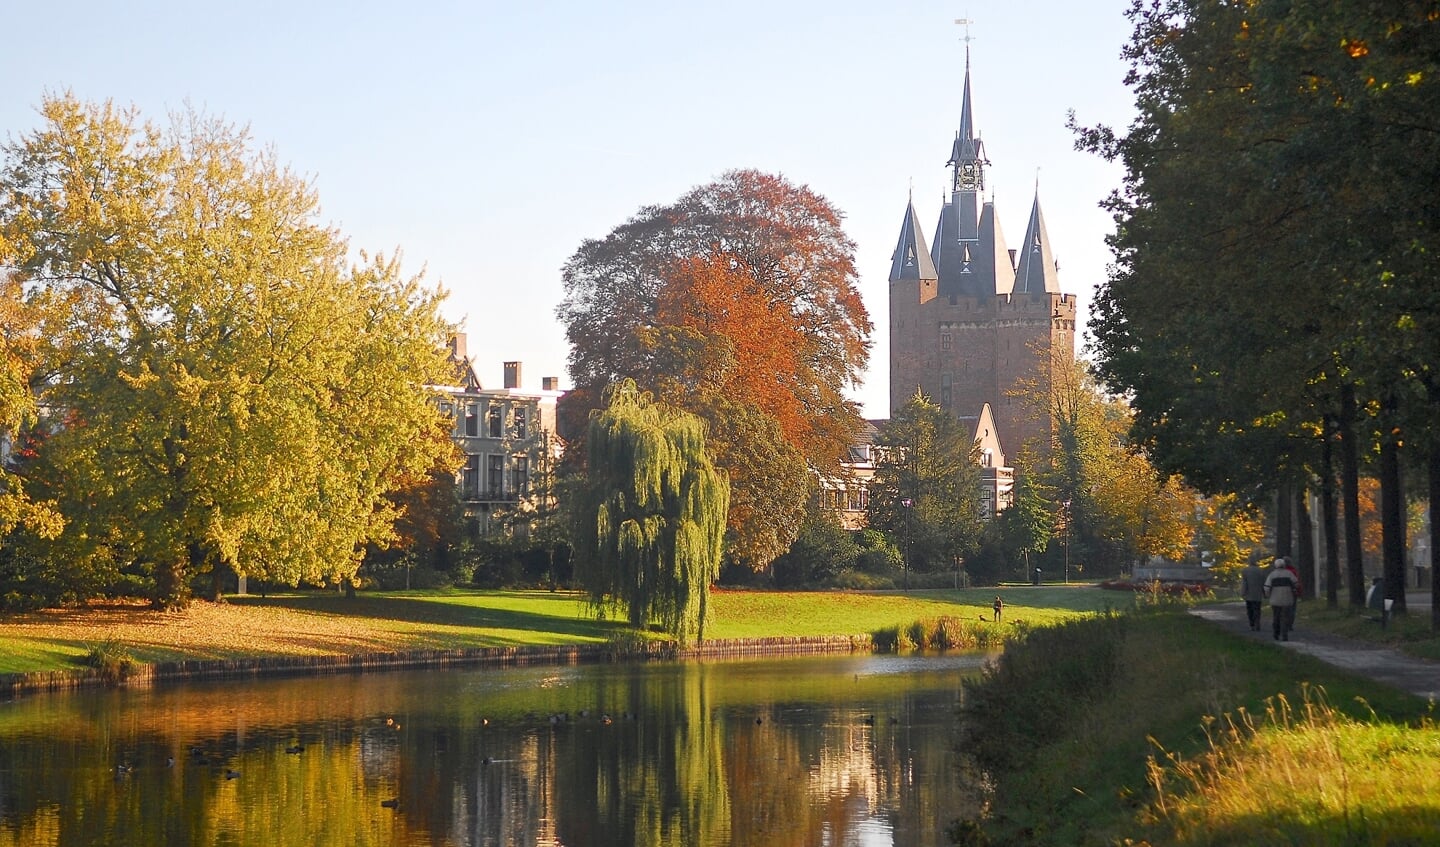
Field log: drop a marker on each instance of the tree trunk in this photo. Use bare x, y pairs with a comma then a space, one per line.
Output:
1392, 518
1434, 533
172, 578
172, 590
1284, 511
217, 583
1329, 519
1305, 541
1350, 497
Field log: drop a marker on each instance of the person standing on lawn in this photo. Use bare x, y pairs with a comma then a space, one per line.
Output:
1282, 588
1252, 590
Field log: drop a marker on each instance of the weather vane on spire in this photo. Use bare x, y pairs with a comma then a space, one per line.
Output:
967, 38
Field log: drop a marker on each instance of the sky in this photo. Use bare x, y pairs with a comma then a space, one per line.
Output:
485, 141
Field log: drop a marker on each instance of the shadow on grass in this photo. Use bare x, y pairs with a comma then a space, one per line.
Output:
1404, 824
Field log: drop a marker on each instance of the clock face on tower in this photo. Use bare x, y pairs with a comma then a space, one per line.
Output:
967, 177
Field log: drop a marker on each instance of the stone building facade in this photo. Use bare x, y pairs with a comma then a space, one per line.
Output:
508, 438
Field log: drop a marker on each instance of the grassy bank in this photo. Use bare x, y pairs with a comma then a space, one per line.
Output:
1159, 728
324, 623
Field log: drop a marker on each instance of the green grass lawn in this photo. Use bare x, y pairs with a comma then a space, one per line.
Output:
314, 623
757, 614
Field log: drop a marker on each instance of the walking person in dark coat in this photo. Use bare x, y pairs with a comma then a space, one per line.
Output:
1252, 589
1282, 588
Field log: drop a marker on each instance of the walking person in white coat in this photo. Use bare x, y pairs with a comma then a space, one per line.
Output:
1282, 589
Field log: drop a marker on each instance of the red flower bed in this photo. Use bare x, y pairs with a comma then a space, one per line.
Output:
1176, 588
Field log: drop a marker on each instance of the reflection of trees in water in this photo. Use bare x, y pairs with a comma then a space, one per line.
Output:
682, 760
654, 775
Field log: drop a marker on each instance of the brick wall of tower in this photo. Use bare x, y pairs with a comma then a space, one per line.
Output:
963, 339
910, 326
964, 352
1033, 331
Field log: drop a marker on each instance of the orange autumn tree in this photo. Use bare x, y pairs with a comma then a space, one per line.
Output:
717, 297
738, 303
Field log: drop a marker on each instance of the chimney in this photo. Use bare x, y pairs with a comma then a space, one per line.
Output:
512, 374
550, 383
457, 345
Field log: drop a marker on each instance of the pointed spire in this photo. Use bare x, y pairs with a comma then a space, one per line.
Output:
1035, 271
967, 149
912, 258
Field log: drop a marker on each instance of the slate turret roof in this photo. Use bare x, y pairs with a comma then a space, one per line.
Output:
1035, 270
912, 258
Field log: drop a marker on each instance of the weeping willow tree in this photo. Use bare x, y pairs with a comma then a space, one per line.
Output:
651, 515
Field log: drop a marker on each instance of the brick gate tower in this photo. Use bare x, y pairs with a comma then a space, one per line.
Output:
970, 319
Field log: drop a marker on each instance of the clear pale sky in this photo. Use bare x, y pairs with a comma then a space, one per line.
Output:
486, 140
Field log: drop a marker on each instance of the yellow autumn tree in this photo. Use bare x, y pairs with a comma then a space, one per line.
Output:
230, 391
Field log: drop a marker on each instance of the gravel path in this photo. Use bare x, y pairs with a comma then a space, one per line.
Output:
1420, 677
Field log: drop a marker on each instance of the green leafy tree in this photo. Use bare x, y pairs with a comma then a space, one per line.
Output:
1249, 327
926, 488
235, 394
823, 549
1027, 526
650, 519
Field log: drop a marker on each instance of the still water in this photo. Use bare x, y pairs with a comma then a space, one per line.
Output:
800, 751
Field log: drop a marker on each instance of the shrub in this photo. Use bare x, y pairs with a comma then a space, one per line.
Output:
822, 550
922, 633
1010, 711
951, 633
1154, 592
626, 644
878, 554
861, 581
111, 661
892, 639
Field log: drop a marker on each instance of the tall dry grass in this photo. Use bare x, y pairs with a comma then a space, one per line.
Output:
1300, 775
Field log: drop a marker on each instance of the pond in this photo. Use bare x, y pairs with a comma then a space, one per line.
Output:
854, 750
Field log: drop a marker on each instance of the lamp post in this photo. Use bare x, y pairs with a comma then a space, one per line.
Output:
905, 559
1067, 542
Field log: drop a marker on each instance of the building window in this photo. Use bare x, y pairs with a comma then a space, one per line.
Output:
519, 423
945, 391
470, 481
495, 476
472, 419
946, 340
521, 475
987, 503
494, 421
987, 458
